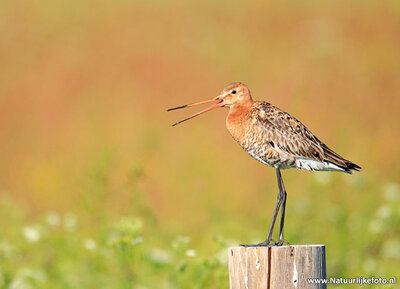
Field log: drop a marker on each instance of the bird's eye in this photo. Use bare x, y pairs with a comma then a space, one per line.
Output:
233, 92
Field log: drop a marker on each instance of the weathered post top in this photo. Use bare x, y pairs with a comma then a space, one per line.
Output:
282, 267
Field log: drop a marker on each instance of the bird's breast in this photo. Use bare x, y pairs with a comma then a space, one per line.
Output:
237, 122
244, 128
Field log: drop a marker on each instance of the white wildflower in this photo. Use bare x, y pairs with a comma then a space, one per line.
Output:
19, 283
70, 222
222, 257
384, 212
53, 219
160, 256
90, 244
28, 278
31, 234
180, 242
375, 227
137, 240
6, 250
191, 253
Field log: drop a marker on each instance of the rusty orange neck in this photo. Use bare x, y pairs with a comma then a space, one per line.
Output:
236, 121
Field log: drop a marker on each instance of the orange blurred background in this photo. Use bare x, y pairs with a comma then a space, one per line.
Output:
84, 89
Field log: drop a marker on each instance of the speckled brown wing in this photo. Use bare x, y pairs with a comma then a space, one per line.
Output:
291, 137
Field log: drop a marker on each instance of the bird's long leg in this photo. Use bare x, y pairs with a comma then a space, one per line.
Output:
283, 190
281, 196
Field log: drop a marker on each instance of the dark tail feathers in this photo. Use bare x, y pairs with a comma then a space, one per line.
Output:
334, 158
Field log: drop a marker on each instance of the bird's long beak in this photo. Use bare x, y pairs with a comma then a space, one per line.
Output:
218, 104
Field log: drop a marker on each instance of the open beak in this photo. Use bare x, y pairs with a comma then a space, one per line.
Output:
218, 104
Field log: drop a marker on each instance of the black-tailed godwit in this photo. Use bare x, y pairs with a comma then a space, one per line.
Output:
274, 138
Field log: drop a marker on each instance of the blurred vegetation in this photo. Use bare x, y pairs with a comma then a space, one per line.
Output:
96, 189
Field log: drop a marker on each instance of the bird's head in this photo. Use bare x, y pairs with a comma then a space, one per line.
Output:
234, 94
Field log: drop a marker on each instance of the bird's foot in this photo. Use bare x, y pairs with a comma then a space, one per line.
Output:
281, 242
266, 243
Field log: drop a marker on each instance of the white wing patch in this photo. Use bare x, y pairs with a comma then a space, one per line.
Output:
313, 165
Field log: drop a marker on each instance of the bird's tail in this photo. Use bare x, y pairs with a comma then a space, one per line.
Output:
334, 158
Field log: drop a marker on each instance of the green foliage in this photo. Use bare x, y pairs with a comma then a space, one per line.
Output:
62, 250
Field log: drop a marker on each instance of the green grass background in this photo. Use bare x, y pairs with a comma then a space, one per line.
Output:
98, 191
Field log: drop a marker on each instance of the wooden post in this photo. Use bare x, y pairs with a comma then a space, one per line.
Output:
282, 267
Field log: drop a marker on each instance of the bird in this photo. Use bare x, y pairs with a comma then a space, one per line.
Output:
274, 138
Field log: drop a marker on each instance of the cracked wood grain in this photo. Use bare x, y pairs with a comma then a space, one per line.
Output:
276, 267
